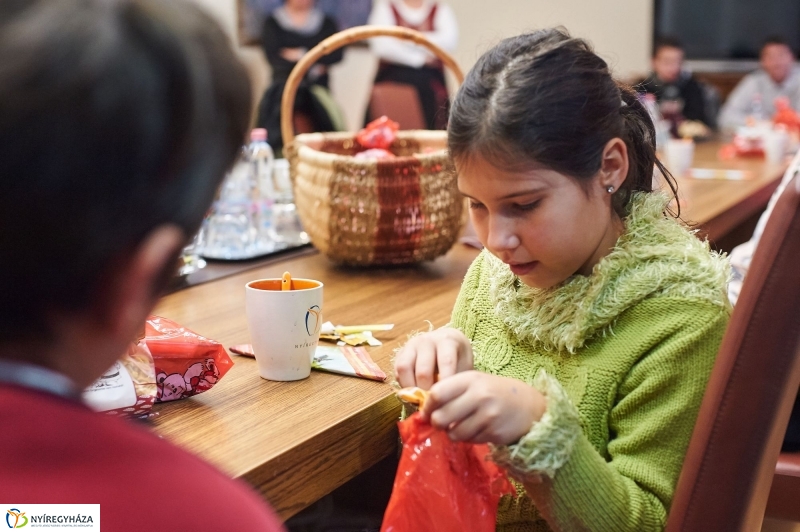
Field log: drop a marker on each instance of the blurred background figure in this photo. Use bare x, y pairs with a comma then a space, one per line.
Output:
253, 14
754, 97
680, 96
405, 63
289, 32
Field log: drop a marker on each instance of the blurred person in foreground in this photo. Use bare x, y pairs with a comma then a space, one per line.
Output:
675, 87
754, 97
118, 121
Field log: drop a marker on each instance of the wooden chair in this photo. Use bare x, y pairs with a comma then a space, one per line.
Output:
731, 460
398, 101
784, 495
302, 123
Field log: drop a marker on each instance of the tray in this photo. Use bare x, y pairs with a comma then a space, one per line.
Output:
261, 249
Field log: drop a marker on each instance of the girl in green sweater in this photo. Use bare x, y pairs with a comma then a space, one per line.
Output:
584, 334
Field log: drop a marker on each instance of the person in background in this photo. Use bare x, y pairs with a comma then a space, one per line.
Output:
118, 122
584, 334
289, 32
674, 86
406, 62
293, 29
754, 96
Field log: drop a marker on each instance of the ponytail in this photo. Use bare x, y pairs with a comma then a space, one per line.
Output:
640, 137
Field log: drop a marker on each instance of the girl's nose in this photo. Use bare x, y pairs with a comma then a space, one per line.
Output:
502, 235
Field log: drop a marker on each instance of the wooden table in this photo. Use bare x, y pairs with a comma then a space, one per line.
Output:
719, 205
296, 442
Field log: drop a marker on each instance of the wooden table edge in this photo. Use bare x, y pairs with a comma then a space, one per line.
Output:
291, 482
719, 226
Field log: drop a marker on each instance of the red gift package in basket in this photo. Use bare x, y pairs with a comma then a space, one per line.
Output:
185, 362
378, 134
443, 485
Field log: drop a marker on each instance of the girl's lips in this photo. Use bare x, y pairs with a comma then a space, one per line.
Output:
522, 269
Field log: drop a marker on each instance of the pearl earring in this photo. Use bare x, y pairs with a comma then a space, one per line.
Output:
610, 189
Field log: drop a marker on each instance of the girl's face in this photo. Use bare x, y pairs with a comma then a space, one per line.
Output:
545, 225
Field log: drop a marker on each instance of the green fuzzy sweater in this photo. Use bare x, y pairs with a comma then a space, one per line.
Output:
623, 357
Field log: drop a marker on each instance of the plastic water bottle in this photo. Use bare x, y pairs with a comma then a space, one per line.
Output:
756, 108
285, 227
262, 161
649, 102
661, 126
231, 230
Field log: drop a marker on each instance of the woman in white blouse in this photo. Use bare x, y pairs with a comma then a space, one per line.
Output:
405, 62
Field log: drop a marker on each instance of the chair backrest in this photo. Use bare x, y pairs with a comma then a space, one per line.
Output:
398, 101
302, 123
731, 458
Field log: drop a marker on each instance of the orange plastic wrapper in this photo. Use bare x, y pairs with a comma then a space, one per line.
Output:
380, 133
185, 362
443, 485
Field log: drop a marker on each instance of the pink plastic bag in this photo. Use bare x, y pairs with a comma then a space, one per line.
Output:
186, 363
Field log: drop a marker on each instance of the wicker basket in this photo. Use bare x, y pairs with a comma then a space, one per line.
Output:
367, 212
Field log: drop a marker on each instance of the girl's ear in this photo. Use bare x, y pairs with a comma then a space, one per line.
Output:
614, 165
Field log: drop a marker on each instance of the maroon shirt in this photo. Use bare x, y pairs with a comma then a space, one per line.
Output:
57, 451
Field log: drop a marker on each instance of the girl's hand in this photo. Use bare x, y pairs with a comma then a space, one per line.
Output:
445, 351
480, 408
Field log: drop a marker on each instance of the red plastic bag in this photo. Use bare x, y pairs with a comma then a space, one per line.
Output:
186, 363
443, 485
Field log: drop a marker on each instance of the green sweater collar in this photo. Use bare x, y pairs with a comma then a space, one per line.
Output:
655, 256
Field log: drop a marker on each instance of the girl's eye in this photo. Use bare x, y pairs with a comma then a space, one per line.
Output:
475, 205
527, 206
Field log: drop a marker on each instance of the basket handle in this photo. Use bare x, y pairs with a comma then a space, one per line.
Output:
338, 40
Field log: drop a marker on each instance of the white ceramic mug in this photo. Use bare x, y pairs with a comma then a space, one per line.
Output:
284, 326
680, 155
775, 143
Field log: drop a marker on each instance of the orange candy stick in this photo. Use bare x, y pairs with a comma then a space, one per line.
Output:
414, 396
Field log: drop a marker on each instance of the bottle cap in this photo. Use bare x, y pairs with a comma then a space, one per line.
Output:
258, 134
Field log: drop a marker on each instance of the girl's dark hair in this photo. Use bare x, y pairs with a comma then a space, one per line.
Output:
116, 117
547, 98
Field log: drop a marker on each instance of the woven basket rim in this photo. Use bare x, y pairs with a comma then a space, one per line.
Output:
305, 151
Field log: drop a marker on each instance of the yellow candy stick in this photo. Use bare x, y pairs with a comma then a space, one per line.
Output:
351, 329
